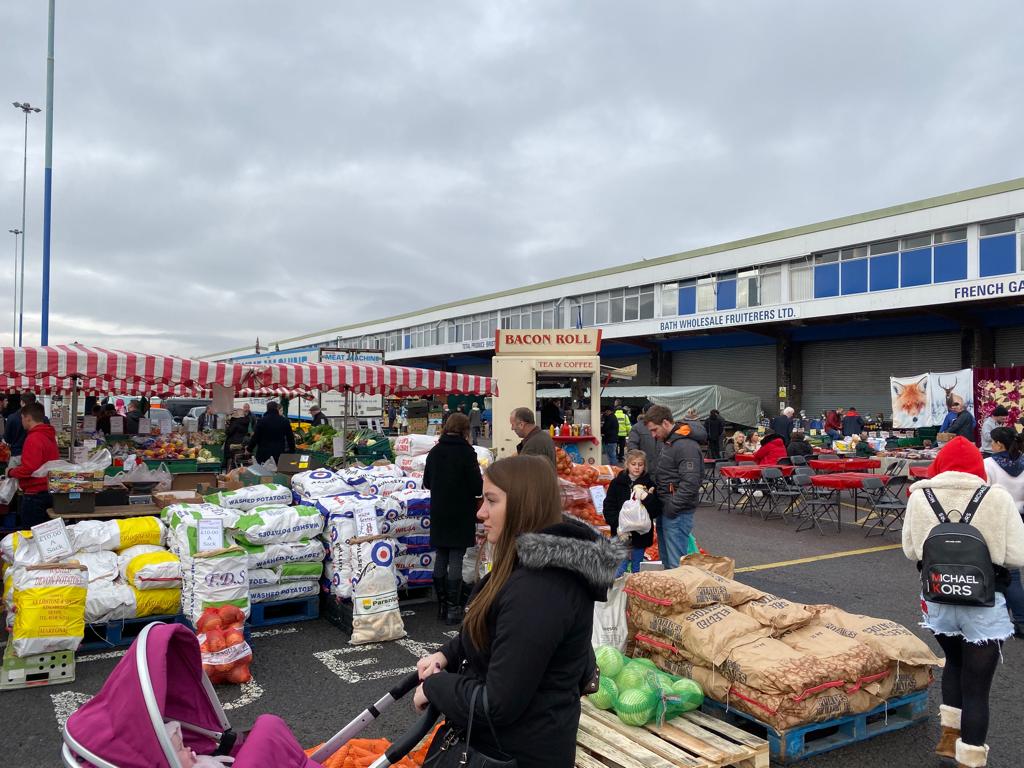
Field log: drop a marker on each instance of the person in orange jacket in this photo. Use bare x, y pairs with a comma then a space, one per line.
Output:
40, 447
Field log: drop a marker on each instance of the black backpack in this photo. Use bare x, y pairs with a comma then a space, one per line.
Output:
956, 567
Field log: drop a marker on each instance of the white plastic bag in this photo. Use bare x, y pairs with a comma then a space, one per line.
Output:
610, 618
8, 487
98, 461
633, 517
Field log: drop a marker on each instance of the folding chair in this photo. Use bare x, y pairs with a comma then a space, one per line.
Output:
817, 505
886, 508
729, 487
803, 470
896, 468
707, 483
798, 461
779, 492
754, 495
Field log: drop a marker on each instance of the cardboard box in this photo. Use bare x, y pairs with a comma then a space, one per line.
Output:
74, 502
167, 498
189, 481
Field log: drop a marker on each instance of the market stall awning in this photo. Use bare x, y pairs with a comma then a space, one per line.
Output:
370, 379
56, 368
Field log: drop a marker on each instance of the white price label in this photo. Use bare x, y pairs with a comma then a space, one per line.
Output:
209, 534
52, 540
89, 424
117, 425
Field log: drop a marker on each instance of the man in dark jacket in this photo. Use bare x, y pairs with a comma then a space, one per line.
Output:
641, 439
679, 476
782, 425
853, 423
132, 418
40, 446
798, 445
715, 427
317, 416
959, 420
535, 441
273, 436
610, 435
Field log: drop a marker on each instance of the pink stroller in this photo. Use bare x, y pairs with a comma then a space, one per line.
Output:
162, 676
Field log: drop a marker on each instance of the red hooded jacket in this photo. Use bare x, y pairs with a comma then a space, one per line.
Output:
40, 447
771, 451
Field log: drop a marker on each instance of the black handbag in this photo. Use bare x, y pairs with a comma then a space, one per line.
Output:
453, 749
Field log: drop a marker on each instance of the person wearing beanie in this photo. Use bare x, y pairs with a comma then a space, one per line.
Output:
970, 637
996, 419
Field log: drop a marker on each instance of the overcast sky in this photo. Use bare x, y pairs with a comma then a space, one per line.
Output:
226, 170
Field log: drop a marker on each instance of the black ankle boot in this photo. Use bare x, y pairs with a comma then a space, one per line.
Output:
441, 591
455, 605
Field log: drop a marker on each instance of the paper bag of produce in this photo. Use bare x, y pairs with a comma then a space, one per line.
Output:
783, 712
778, 613
892, 640
902, 680
723, 566
707, 634
842, 658
681, 589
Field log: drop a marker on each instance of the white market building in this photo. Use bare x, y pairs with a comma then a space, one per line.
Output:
829, 310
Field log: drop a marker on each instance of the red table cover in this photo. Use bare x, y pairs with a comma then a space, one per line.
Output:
752, 472
844, 481
843, 465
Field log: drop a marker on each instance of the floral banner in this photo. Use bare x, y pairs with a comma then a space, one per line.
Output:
998, 386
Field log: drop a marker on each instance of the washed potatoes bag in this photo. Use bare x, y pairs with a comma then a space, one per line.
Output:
273, 555
292, 590
277, 524
707, 634
409, 503
110, 601
176, 515
892, 640
251, 496
215, 578
148, 567
680, 589
49, 608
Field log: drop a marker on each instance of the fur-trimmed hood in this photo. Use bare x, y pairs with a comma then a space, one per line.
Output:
576, 547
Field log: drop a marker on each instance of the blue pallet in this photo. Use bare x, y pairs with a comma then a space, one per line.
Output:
798, 744
284, 611
120, 634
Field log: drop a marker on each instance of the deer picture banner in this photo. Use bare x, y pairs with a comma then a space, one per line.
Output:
923, 400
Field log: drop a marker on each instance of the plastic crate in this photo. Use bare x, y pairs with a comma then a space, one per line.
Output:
41, 669
174, 465
381, 449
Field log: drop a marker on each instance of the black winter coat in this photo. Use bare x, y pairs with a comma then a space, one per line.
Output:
452, 475
609, 429
539, 657
715, 427
237, 430
272, 437
619, 491
782, 425
800, 448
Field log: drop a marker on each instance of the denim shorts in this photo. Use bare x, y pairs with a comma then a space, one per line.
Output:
974, 624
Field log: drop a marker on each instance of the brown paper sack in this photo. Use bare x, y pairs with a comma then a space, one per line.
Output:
778, 613
723, 566
902, 680
838, 656
681, 589
894, 641
772, 666
785, 712
707, 634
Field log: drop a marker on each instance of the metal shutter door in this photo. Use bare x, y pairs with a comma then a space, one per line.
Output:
746, 369
841, 373
1009, 347
643, 370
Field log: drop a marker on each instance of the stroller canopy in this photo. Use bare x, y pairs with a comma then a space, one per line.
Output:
116, 724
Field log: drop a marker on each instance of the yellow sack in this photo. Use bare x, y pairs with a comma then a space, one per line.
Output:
49, 608
153, 570
140, 530
156, 602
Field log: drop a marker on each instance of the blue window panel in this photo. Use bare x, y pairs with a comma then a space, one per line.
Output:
916, 267
408, 341
688, 300
951, 262
726, 295
826, 280
998, 256
885, 272
855, 276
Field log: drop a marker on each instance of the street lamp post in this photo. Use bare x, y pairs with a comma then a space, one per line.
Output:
14, 311
27, 109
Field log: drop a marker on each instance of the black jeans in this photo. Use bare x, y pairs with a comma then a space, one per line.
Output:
966, 681
33, 508
448, 563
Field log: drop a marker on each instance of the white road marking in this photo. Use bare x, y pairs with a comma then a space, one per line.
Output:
101, 656
251, 691
407, 612
275, 632
346, 669
452, 633
64, 705
416, 648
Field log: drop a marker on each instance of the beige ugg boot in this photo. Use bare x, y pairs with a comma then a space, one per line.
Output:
949, 719
971, 756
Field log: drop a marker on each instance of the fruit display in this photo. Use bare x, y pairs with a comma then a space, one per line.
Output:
167, 448
639, 692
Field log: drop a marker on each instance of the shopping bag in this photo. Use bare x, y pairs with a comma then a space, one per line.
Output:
633, 517
610, 618
8, 487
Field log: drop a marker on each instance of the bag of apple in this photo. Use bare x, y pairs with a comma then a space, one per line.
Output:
226, 655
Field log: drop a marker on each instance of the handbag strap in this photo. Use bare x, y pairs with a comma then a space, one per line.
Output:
487, 714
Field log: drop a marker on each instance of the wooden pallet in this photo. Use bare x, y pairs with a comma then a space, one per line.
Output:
122, 633
796, 744
283, 611
693, 740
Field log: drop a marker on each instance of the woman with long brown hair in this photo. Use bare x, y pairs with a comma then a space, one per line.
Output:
526, 636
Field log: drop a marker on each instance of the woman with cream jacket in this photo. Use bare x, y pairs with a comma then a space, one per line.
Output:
971, 637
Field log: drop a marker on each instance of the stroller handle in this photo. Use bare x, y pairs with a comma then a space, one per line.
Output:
405, 685
414, 736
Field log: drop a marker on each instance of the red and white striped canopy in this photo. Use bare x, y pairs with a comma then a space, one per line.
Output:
372, 379
52, 367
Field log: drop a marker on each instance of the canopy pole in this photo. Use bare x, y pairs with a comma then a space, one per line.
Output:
344, 427
74, 421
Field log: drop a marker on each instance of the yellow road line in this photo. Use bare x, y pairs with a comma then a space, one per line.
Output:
816, 558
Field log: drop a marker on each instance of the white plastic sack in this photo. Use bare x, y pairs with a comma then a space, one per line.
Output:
19, 549
149, 567
262, 577
97, 536
319, 482
409, 464
176, 515
375, 614
278, 524
102, 566
49, 608
215, 578
292, 590
610, 618
409, 503
633, 517
8, 487
252, 496
405, 526
352, 517
415, 445
274, 555
141, 473
385, 486
109, 601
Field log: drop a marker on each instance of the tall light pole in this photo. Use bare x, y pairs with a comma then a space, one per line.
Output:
27, 109
14, 304
44, 327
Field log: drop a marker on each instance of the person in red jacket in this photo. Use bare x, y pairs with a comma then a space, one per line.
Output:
773, 448
40, 447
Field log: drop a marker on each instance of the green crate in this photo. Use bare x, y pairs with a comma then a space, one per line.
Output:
174, 466
910, 442
927, 433
41, 669
216, 450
